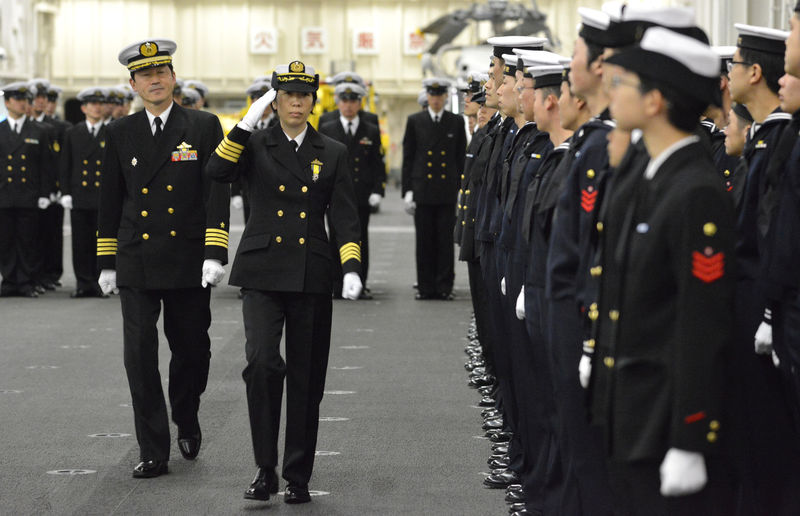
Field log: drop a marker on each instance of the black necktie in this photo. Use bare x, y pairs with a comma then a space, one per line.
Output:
94, 131
436, 119
350, 129
157, 134
294, 145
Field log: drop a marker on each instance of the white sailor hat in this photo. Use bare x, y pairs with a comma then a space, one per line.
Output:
190, 97
347, 76
127, 91
594, 26
546, 75
761, 39
17, 90
39, 86
295, 76
475, 81
53, 92
436, 85
258, 88
505, 44
422, 98
149, 53
349, 91
93, 94
677, 61
566, 62
510, 64
201, 88
636, 19
528, 58
725, 54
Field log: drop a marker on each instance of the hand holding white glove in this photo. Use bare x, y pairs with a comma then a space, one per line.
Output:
66, 202
775, 360
585, 370
411, 206
351, 286
43, 203
375, 199
256, 110
520, 308
503, 285
682, 473
763, 338
237, 202
108, 281
213, 272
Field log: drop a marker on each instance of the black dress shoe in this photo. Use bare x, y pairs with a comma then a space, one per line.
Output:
523, 512
81, 293
486, 401
365, 295
516, 506
445, 296
500, 463
500, 437
296, 494
39, 289
501, 448
490, 424
419, 296
264, 484
501, 480
150, 469
189, 445
515, 496
49, 285
514, 487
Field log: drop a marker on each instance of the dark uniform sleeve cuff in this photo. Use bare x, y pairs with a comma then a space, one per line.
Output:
106, 253
350, 254
231, 147
216, 246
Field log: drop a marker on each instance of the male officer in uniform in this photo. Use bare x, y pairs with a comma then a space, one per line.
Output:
53, 92
352, 78
162, 238
434, 147
26, 182
201, 88
81, 165
363, 141
294, 175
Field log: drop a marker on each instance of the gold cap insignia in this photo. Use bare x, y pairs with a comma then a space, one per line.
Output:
435, 85
297, 67
148, 49
349, 78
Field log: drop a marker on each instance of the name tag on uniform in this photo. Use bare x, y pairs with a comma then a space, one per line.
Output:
365, 141
33, 141
183, 153
761, 144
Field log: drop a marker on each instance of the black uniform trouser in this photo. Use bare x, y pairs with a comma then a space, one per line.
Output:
786, 330
187, 317
586, 487
307, 318
84, 249
363, 218
52, 240
434, 248
483, 320
19, 248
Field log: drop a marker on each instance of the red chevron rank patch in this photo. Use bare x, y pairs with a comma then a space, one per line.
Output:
588, 198
708, 266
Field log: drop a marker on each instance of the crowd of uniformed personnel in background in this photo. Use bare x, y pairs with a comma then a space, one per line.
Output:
629, 217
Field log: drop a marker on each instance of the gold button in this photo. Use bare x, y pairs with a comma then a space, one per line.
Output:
97, 172
170, 210
430, 153
711, 436
444, 165
462, 177
10, 156
463, 222
467, 192
600, 227
278, 239
24, 180
302, 241
302, 214
357, 160
726, 173
145, 190
304, 189
430, 176
355, 169
97, 183
85, 172
84, 183
590, 343
281, 188
596, 271
172, 233
465, 206
22, 156
280, 213
169, 188
144, 213
444, 176
145, 236
613, 315
430, 164
85, 162
355, 179
22, 168
590, 173
98, 162
10, 168
714, 425
609, 362
593, 306
593, 315
709, 229
9, 179
442, 153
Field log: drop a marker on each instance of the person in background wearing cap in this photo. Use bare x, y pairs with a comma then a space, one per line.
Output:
434, 145
363, 141
80, 167
294, 176
422, 99
352, 78
53, 93
715, 119
663, 322
51, 228
109, 105
162, 238
190, 98
123, 109
26, 182
736, 132
200, 88
769, 450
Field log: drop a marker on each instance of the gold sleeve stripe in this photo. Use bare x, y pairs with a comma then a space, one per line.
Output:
225, 245
350, 251
106, 253
230, 150
216, 241
107, 247
222, 155
220, 232
235, 145
114, 240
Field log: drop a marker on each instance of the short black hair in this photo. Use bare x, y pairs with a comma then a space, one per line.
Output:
771, 66
683, 111
551, 90
171, 69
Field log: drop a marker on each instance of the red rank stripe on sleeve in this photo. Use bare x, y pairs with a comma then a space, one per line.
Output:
694, 418
708, 268
588, 199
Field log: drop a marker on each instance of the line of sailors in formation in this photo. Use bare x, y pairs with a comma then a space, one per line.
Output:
632, 265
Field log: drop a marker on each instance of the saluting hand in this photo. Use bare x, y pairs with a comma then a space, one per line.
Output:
256, 110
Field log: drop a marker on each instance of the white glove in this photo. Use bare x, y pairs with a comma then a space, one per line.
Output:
237, 203
66, 202
375, 199
54, 197
256, 110
43, 203
682, 473
411, 206
212, 272
352, 286
775, 360
108, 281
763, 338
585, 370
503, 285
520, 308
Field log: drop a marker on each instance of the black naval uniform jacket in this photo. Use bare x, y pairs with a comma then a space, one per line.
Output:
364, 116
465, 191
284, 246
366, 157
26, 165
725, 165
664, 318
81, 165
433, 157
159, 215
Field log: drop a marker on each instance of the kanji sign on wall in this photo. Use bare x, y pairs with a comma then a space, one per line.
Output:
313, 40
263, 41
365, 41
413, 42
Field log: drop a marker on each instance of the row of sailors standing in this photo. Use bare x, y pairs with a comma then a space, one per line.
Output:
627, 268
